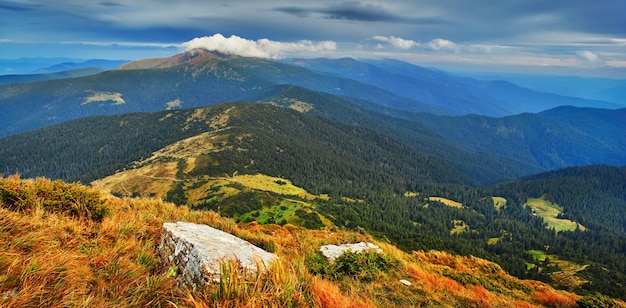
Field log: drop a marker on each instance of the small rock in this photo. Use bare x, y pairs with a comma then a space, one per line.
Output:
8, 294
332, 252
405, 282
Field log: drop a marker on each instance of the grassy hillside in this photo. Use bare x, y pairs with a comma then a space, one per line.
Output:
315, 153
94, 147
70, 245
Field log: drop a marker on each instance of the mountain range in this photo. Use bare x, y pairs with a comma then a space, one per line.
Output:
420, 157
388, 91
42, 66
200, 78
458, 95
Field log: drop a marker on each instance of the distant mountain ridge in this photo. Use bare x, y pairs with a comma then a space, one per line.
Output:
198, 81
37, 66
7, 79
200, 78
65, 66
553, 139
603, 89
459, 95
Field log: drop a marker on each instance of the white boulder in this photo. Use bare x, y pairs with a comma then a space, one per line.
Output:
332, 252
198, 250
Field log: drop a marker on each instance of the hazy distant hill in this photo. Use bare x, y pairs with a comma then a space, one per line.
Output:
7, 79
457, 95
406, 80
556, 138
65, 66
602, 89
199, 78
30, 66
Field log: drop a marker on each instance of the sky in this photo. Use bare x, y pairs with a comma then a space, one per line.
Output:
572, 37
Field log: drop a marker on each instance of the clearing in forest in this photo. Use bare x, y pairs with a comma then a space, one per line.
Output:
549, 212
447, 202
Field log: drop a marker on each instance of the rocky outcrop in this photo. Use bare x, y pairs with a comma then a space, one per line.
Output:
198, 250
332, 252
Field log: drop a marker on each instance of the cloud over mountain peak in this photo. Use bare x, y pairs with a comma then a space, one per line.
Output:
262, 48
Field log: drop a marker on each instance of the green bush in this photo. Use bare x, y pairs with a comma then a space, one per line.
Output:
363, 266
596, 300
53, 196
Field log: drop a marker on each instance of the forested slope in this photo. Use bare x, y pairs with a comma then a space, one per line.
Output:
372, 181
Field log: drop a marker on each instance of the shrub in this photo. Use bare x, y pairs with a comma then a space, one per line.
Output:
53, 196
363, 266
596, 300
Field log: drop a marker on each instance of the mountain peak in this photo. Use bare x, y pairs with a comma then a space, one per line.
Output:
193, 56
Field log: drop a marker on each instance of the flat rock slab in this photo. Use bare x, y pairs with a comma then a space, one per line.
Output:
198, 250
332, 252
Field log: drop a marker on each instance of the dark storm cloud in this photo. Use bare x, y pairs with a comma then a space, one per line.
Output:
359, 11
111, 4
475, 19
16, 6
607, 16
355, 11
346, 10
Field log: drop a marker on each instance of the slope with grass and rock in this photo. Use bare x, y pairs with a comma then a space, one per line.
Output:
71, 245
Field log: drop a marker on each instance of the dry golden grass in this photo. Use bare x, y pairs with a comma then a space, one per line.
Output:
57, 258
556, 298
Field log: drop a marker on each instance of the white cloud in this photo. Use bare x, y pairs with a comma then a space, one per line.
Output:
263, 48
439, 45
396, 41
588, 56
442, 45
